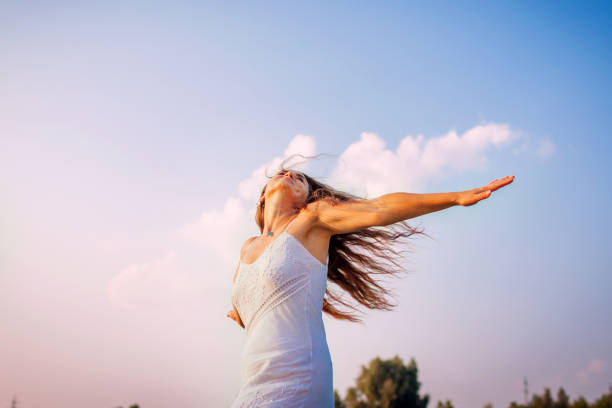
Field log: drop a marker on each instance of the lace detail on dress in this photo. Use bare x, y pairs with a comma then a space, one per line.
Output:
282, 291
260, 397
279, 296
258, 290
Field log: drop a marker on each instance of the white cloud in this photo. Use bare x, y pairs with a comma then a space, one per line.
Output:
595, 366
222, 231
368, 168
301, 144
545, 149
153, 284
251, 187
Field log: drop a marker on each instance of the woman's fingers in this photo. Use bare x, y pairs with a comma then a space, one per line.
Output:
471, 197
505, 181
232, 315
497, 183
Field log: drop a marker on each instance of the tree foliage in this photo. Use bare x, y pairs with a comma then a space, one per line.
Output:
546, 400
385, 384
391, 384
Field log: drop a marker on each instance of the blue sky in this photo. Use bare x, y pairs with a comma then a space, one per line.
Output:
133, 133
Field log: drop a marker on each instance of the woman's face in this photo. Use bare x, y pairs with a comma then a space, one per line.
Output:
295, 181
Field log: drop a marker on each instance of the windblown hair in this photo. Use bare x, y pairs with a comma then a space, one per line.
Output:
354, 258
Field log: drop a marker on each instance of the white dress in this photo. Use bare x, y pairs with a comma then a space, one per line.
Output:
285, 361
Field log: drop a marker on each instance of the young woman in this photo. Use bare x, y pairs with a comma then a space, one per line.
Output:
312, 233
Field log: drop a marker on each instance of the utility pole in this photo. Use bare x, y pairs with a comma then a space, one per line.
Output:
526, 392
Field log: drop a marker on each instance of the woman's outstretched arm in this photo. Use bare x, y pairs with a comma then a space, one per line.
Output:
390, 208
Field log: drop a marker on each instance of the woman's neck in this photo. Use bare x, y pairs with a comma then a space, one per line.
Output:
277, 213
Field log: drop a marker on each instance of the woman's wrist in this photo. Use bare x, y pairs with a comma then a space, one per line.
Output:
455, 197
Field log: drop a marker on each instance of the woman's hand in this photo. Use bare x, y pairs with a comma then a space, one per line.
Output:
234, 316
471, 197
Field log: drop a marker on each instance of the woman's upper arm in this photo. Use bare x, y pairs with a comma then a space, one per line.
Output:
347, 216
236, 273
246, 244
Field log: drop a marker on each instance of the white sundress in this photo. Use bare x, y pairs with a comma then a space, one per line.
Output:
285, 361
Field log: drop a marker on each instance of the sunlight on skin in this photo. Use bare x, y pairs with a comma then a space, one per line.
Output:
465, 198
294, 180
471, 197
298, 186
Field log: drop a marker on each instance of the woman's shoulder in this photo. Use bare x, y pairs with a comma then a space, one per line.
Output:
246, 244
313, 208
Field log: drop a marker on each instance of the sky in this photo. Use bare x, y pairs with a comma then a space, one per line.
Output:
136, 136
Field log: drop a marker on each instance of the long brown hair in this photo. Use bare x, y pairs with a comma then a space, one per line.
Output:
354, 257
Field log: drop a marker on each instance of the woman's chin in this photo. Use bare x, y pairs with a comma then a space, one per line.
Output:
285, 187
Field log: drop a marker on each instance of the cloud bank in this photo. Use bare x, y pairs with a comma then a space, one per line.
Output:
367, 168
594, 367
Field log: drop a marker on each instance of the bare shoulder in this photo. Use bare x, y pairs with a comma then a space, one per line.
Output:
314, 209
311, 227
346, 216
246, 244
316, 206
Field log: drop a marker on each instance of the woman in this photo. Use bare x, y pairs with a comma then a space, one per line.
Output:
311, 233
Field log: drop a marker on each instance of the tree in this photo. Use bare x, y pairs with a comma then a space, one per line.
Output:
352, 399
605, 401
387, 384
580, 402
338, 403
562, 399
546, 401
447, 404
